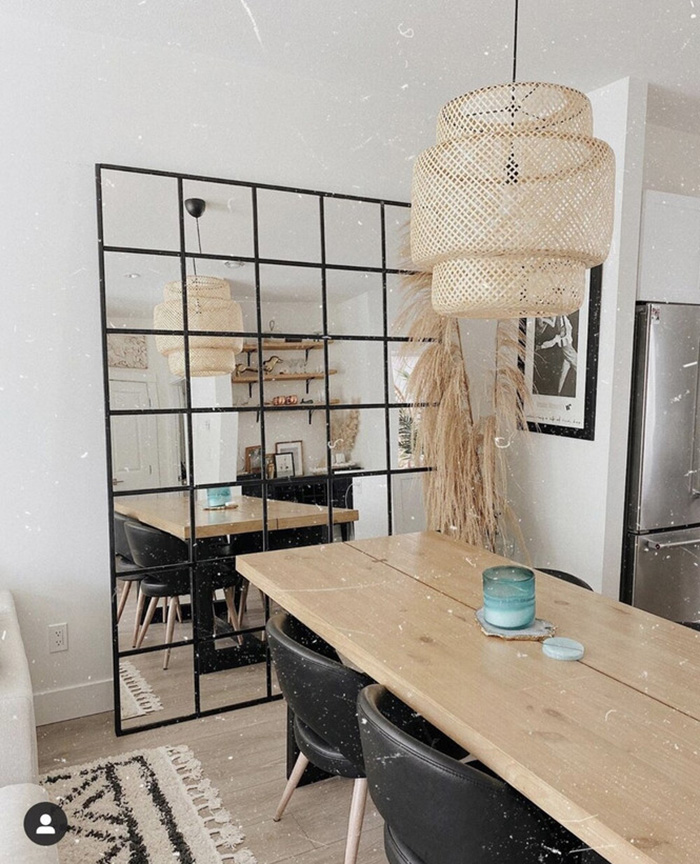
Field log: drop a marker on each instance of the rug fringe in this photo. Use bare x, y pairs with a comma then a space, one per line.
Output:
140, 689
215, 817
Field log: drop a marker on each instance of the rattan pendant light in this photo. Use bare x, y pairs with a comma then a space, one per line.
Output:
209, 307
514, 201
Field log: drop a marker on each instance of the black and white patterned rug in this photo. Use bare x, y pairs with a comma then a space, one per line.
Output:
146, 807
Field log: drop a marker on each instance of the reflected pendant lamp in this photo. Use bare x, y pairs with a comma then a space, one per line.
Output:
513, 203
209, 307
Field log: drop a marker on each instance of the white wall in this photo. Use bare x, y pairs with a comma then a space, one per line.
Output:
568, 493
70, 99
671, 160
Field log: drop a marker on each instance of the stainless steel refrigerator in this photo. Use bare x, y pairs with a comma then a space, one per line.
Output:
662, 549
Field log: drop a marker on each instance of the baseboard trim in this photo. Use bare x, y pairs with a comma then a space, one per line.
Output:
67, 703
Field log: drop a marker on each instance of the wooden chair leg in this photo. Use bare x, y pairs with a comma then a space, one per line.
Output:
126, 587
140, 605
233, 619
152, 606
172, 614
243, 600
292, 783
357, 812
178, 610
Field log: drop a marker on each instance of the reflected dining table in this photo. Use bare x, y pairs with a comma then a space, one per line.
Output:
608, 745
170, 512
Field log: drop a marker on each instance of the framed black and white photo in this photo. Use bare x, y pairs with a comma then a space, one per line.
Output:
284, 464
561, 367
296, 448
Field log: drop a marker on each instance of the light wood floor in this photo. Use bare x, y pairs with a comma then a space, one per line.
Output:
242, 753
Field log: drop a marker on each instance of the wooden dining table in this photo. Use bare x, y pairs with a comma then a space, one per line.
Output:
171, 513
608, 745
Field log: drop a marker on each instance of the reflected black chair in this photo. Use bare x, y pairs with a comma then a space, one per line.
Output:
565, 577
438, 810
322, 694
124, 566
153, 548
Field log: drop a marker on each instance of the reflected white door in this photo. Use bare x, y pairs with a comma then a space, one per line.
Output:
134, 437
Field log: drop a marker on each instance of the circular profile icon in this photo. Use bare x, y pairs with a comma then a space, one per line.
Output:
45, 823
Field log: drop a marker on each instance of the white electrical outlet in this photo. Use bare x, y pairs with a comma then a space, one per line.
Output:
58, 638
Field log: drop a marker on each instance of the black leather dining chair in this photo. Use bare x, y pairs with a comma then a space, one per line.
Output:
125, 567
565, 577
322, 694
438, 810
153, 548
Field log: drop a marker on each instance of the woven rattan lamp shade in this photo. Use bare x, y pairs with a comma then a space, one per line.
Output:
513, 203
209, 307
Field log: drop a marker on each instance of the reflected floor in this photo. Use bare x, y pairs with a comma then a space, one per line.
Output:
173, 688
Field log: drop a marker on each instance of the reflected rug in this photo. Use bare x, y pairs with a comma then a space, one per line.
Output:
146, 807
136, 694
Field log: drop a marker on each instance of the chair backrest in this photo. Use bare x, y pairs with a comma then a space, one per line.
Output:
444, 811
565, 577
319, 689
121, 544
153, 548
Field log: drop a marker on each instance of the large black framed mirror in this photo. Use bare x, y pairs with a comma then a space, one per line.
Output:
254, 399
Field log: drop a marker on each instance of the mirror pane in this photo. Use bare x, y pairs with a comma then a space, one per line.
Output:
226, 225
234, 685
358, 439
360, 371
290, 299
370, 501
397, 236
288, 226
298, 439
139, 376
395, 302
140, 211
134, 285
408, 513
355, 305
148, 451
151, 694
353, 232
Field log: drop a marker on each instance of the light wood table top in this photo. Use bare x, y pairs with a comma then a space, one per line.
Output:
171, 513
608, 746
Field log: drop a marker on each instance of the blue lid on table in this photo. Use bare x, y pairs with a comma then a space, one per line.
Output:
561, 648
509, 596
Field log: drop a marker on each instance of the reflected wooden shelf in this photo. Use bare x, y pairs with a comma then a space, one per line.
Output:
283, 376
279, 345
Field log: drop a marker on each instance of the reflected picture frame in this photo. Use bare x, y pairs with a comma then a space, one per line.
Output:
284, 465
253, 459
561, 367
296, 448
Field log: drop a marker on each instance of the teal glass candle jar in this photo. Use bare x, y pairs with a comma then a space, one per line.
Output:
509, 597
218, 497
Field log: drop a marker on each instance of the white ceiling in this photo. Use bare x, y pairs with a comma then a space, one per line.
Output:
395, 47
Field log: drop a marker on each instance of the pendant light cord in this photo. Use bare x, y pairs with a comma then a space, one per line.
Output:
199, 243
515, 41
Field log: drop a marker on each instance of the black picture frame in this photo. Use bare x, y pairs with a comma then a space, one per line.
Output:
563, 396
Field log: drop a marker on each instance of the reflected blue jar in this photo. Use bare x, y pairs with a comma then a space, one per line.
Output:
218, 497
509, 597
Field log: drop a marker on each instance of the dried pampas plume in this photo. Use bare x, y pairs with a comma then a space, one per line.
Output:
465, 492
344, 428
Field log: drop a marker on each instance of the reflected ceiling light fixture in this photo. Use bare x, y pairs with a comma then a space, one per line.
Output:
209, 307
514, 202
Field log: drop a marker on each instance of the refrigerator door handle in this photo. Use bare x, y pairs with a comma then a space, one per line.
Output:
653, 545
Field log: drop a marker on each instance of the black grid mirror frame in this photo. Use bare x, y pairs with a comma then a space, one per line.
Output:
208, 656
